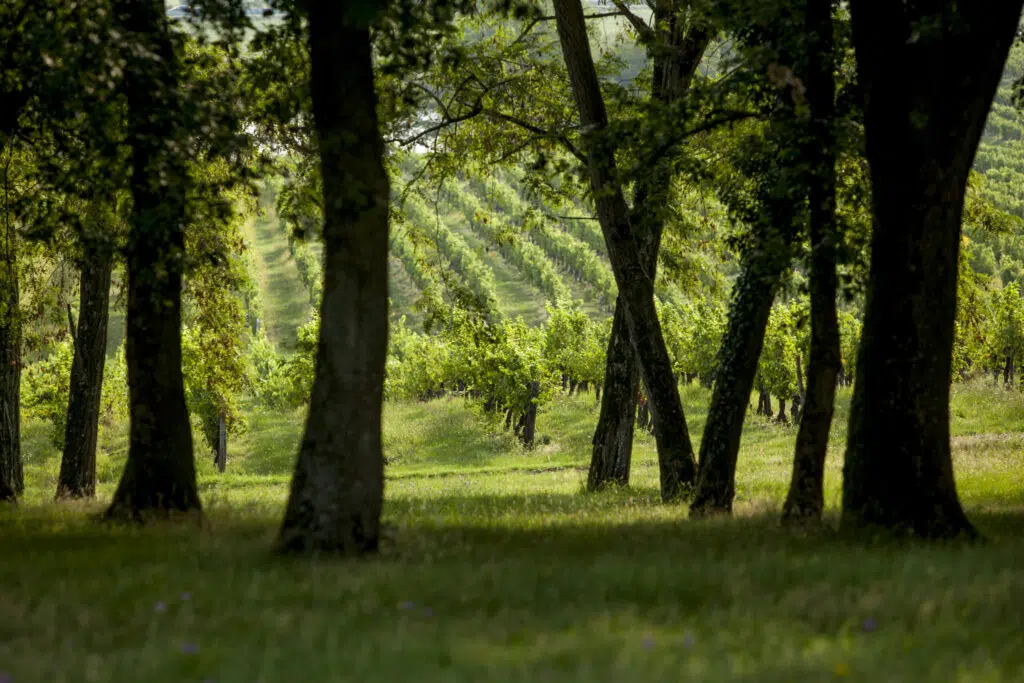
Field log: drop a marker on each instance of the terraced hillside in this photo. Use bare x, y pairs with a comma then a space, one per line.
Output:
472, 237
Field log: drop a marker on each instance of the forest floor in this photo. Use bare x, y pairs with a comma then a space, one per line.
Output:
496, 567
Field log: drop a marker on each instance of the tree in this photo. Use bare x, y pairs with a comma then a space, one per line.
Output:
929, 72
337, 491
11, 476
159, 475
677, 48
13, 98
77, 478
635, 282
805, 499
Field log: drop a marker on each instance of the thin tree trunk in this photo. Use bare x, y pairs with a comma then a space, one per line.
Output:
222, 444
160, 473
753, 295
801, 390
12, 481
77, 477
674, 64
530, 417
806, 499
929, 76
337, 492
12, 103
636, 284
781, 417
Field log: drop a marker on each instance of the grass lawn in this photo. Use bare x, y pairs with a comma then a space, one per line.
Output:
497, 568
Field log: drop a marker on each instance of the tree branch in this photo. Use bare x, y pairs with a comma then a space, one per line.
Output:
645, 32
540, 132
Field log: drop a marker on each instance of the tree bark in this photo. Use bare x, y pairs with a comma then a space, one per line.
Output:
806, 499
337, 492
753, 295
928, 79
159, 476
674, 64
635, 282
77, 477
530, 416
12, 480
613, 439
781, 417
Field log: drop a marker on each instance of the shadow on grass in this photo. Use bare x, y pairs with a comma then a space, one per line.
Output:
559, 589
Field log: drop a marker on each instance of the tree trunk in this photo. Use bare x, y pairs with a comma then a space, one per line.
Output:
78, 465
753, 294
800, 388
12, 480
337, 492
636, 283
222, 444
673, 67
613, 438
806, 499
160, 473
781, 417
1008, 371
764, 402
928, 80
530, 421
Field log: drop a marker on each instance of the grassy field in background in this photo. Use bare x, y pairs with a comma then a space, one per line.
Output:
496, 567
285, 304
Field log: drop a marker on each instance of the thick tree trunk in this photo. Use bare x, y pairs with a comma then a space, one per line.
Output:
928, 79
78, 465
806, 499
753, 295
338, 488
636, 284
12, 480
613, 438
160, 473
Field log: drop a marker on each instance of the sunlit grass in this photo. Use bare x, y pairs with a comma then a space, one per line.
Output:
285, 299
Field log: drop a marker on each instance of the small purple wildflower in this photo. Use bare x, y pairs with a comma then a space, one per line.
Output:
6, 678
186, 596
647, 642
406, 604
688, 640
869, 625
189, 648
160, 606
